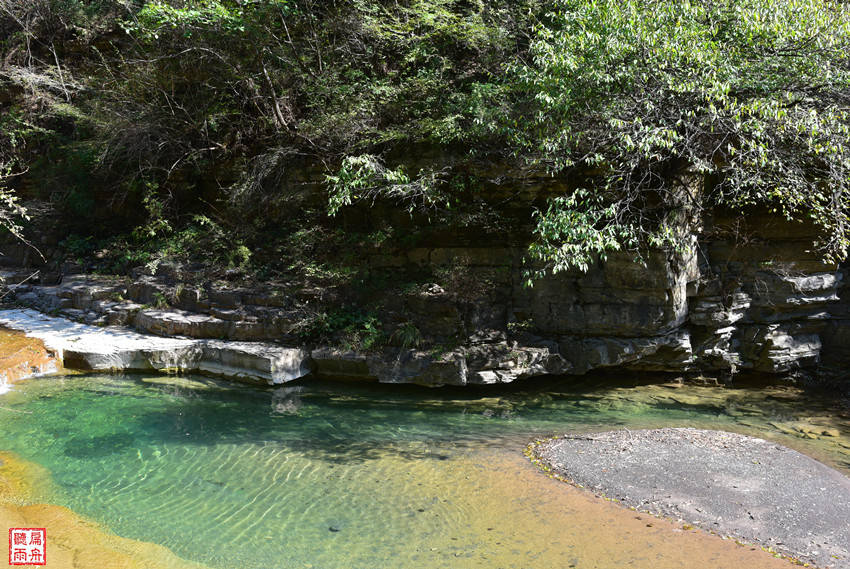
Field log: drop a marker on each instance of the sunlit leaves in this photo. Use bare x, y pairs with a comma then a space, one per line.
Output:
156, 16
753, 93
575, 231
11, 211
365, 177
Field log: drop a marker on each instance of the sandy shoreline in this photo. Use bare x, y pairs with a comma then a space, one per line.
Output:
730, 484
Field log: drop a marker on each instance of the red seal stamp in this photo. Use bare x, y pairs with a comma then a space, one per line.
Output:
27, 546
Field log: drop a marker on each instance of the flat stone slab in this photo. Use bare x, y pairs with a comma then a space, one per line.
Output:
748, 488
80, 346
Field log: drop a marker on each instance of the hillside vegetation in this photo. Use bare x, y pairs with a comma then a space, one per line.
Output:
277, 136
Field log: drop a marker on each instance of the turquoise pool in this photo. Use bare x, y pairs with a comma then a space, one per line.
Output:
325, 475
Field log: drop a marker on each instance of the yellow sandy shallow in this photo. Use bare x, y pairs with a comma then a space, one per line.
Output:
72, 541
583, 530
579, 527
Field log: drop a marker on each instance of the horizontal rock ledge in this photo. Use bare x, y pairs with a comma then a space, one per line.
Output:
85, 347
116, 348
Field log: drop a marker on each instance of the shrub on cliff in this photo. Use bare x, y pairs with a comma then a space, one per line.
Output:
11, 211
675, 105
653, 108
647, 110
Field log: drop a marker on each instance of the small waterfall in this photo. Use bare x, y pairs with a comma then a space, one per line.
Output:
5, 387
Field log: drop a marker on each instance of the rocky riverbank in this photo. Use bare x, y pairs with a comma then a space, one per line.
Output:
242, 335
745, 300
748, 488
114, 348
22, 357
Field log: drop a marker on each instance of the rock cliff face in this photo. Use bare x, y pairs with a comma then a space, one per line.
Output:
749, 296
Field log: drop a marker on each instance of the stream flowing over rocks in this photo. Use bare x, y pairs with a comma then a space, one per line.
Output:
766, 304
731, 484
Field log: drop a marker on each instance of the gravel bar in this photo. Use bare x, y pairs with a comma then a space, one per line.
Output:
754, 490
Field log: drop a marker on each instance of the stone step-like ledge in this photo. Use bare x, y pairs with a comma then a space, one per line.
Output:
81, 346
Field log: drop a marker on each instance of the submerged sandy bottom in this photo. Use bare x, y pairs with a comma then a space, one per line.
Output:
581, 530
72, 541
475, 508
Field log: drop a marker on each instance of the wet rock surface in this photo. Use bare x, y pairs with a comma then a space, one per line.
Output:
754, 490
22, 358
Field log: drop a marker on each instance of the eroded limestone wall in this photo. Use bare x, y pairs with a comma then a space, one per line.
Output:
750, 296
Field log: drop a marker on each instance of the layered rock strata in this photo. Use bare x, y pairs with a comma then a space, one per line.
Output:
738, 298
85, 347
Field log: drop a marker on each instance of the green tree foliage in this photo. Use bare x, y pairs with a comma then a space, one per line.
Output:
670, 105
645, 110
365, 177
656, 108
204, 89
11, 211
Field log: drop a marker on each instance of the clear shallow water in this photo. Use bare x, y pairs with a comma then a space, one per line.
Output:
330, 475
